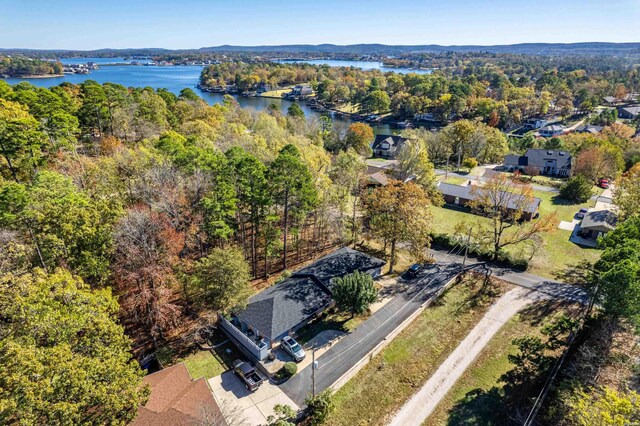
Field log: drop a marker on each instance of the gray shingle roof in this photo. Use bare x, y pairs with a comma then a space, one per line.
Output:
466, 192
537, 157
279, 308
600, 219
634, 110
394, 141
339, 263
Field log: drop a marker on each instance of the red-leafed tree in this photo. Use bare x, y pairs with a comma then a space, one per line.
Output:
147, 248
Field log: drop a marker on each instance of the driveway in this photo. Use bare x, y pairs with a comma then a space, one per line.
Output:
349, 350
420, 406
244, 407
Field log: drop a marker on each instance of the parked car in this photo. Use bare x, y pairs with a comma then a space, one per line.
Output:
248, 374
293, 348
581, 213
603, 183
414, 269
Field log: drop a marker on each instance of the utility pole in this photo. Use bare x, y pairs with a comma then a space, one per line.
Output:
466, 247
313, 370
446, 170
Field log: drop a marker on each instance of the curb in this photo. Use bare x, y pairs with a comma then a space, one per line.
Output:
342, 380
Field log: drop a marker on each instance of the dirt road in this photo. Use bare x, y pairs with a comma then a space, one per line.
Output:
420, 406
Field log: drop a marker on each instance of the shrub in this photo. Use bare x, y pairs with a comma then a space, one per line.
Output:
470, 163
576, 189
319, 407
288, 370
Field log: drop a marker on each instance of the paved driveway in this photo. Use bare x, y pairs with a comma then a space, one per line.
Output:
250, 408
350, 349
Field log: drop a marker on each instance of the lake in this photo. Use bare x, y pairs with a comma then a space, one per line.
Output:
364, 65
174, 79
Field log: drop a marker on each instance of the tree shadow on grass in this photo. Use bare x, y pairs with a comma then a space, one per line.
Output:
480, 407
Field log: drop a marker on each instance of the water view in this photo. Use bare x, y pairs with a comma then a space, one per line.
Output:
364, 65
172, 78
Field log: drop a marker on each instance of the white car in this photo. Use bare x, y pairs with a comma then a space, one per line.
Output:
293, 348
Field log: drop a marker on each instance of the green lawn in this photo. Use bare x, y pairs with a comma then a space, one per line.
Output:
557, 253
209, 364
476, 398
456, 180
395, 374
276, 93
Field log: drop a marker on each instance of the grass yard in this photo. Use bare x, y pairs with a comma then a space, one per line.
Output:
456, 180
276, 93
556, 254
209, 364
477, 398
348, 108
395, 374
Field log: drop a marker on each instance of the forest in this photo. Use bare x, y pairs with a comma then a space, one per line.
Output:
130, 216
22, 66
501, 90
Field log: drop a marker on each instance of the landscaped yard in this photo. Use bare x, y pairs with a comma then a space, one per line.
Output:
276, 93
401, 368
476, 398
209, 364
557, 253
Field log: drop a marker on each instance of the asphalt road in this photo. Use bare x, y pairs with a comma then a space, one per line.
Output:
352, 348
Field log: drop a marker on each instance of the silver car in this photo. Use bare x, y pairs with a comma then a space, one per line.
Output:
293, 348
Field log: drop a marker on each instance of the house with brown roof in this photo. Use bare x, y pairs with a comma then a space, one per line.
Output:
177, 400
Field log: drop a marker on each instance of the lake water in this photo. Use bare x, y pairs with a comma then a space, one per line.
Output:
365, 65
174, 79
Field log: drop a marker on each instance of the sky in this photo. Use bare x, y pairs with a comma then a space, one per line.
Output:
184, 24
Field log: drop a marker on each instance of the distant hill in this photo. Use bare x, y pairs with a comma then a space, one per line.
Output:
592, 48
550, 49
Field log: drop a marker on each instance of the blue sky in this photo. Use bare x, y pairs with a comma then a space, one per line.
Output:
74, 24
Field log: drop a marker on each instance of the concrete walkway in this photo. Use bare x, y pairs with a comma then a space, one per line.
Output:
420, 406
244, 407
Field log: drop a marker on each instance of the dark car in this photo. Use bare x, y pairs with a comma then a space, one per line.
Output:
414, 270
248, 374
582, 213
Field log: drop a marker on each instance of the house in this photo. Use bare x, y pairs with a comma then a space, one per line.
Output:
177, 400
551, 130
377, 179
547, 162
611, 100
387, 146
589, 128
292, 303
535, 123
597, 223
301, 90
629, 113
462, 195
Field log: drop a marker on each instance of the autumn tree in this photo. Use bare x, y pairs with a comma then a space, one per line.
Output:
507, 205
599, 161
146, 254
414, 163
64, 359
359, 137
604, 406
220, 281
399, 212
21, 142
458, 136
348, 172
626, 195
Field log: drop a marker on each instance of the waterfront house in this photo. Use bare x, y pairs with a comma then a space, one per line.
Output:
462, 195
387, 146
535, 123
292, 303
543, 161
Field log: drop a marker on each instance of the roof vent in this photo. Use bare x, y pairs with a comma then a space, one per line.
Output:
561, 153
549, 152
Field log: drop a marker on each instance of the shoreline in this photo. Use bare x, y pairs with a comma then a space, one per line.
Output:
35, 76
